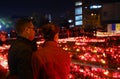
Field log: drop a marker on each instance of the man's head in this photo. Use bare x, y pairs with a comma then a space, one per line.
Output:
50, 32
25, 28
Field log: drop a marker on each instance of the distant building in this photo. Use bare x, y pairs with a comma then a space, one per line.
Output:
111, 16
87, 13
79, 13
111, 12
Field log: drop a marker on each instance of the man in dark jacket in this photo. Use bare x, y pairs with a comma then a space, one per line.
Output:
20, 52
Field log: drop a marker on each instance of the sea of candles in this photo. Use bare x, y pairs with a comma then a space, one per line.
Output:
92, 58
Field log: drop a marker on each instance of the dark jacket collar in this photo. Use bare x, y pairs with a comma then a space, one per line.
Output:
33, 43
23, 39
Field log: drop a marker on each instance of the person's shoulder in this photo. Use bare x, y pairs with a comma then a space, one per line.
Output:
37, 54
37, 51
18, 43
64, 52
40, 47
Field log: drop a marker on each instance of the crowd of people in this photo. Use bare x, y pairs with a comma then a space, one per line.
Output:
63, 33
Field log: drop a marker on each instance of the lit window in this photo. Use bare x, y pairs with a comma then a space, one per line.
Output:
78, 10
79, 17
78, 23
78, 3
95, 6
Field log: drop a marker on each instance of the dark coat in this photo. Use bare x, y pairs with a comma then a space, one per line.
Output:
19, 58
51, 62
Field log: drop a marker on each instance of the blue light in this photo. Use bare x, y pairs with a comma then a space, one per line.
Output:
0, 26
95, 6
113, 27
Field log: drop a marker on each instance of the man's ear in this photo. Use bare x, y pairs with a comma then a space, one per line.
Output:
56, 37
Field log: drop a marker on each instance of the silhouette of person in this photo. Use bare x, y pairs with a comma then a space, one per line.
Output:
21, 50
50, 61
3, 38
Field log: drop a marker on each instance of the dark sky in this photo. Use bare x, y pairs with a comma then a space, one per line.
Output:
27, 7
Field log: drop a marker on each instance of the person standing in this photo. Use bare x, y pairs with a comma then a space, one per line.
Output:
3, 38
21, 50
50, 61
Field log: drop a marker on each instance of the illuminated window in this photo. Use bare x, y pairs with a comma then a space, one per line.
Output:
78, 3
95, 6
78, 23
79, 17
78, 10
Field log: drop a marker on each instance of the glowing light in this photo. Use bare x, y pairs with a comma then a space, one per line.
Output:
106, 72
103, 61
77, 50
81, 70
0, 26
70, 76
116, 75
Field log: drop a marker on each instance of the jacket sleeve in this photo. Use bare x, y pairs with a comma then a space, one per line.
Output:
35, 65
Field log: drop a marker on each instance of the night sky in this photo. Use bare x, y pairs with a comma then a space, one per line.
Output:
28, 7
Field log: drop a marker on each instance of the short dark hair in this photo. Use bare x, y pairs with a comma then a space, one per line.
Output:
21, 24
49, 30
